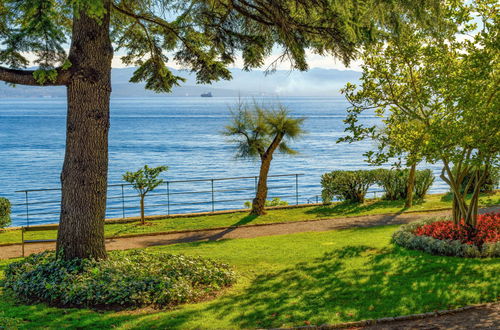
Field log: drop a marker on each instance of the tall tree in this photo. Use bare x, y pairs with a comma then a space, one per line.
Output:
204, 36
439, 93
258, 133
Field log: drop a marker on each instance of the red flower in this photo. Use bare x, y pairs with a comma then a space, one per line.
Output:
487, 230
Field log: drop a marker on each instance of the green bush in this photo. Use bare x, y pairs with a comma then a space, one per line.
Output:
394, 182
406, 238
423, 182
126, 279
490, 183
349, 186
276, 201
4, 212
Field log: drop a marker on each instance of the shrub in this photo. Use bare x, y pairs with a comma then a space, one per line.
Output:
4, 212
423, 182
395, 182
125, 279
347, 185
276, 201
490, 183
407, 237
487, 230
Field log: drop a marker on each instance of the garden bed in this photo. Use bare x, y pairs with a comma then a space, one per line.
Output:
442, 237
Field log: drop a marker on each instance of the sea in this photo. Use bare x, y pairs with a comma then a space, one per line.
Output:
183, 133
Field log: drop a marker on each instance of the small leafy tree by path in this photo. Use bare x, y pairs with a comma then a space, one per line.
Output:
144, 181
258, 133
4, 212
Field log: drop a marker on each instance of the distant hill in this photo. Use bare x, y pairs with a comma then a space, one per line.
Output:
315, 82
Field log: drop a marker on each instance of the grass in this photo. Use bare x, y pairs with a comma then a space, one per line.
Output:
337, 210
295, 280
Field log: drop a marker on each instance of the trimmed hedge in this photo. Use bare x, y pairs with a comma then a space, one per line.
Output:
406, 238
4, 212
394, 182
347, 185
352, 186
126, 279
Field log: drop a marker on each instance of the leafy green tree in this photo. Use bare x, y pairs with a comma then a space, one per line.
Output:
438, 94
203, 36
258, 133
144, 181
4, 212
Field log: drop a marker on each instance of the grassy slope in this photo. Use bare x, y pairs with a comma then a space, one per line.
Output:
317, 278
239, 219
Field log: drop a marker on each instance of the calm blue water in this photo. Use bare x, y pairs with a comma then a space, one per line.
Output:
183, 133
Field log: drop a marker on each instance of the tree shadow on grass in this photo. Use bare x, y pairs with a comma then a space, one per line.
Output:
347, 208
387, 282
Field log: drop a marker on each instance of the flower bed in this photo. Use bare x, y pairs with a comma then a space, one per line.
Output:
442, 237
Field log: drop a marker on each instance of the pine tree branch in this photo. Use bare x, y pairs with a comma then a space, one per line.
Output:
25, 77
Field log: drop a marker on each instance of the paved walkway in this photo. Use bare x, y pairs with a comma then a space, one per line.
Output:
124, 243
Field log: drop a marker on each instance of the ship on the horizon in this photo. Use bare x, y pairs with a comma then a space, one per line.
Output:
208, 94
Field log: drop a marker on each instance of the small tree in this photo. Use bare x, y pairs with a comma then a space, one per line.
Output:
144, 181
4, 212
258, 133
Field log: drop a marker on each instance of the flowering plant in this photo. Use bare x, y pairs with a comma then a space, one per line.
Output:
487, 230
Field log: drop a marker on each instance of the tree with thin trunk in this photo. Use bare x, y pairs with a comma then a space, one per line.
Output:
202, 36
441, 89
144, 181
259, 132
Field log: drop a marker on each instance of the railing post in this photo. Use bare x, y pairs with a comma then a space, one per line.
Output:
168, 198
317, 199
296, 189
213, 198
123, 203
27, 210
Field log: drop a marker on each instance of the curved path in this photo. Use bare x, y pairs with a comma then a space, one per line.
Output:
248, 231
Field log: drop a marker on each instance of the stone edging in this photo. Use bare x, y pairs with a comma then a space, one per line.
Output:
386, 320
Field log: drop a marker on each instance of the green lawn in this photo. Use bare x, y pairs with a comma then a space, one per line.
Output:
316, 278
373, 206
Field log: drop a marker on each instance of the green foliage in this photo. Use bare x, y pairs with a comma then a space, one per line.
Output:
127, 279
276, 201
395, 183
258, 131
406, 238
145, 179
348, 186
490, 182
4, 212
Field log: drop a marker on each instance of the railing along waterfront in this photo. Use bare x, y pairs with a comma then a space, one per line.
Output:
41, 206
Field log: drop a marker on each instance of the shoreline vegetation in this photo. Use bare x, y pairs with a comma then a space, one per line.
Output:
375, 206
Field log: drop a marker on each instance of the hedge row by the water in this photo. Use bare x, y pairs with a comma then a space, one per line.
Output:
405, 236
352, 186
126, 279
4, 212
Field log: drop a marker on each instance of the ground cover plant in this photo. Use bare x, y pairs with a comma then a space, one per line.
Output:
126, 279
295, 280
335, 210
442, 236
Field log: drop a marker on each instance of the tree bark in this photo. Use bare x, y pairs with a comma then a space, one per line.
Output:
259, 202
85, 168
411, 186
142, 210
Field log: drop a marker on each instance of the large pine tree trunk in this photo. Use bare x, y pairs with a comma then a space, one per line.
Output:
259, 202
85, 169
411, 186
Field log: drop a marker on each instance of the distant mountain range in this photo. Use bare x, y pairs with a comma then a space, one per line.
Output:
315, 82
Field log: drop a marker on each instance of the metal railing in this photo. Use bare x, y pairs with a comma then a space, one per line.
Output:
179, 196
